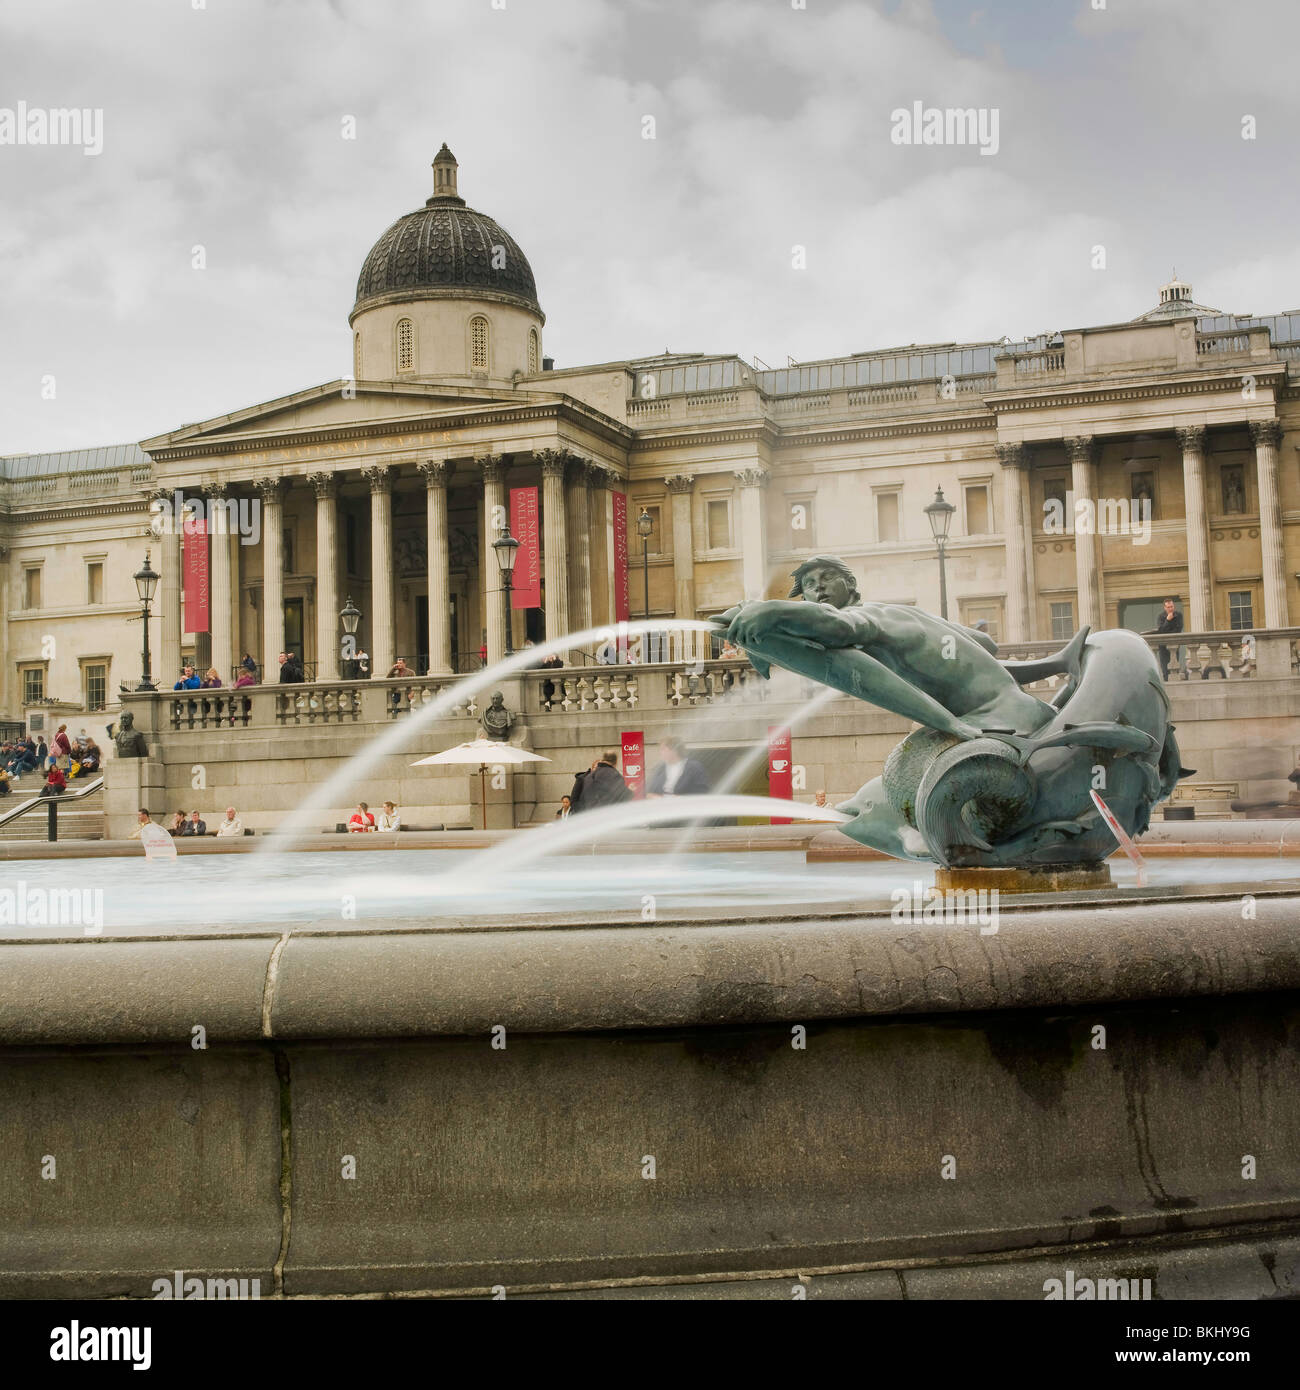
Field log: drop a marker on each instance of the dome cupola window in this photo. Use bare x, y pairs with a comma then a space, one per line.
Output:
478, 344
532, 350
405, 345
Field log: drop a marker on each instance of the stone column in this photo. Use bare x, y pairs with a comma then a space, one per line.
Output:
328, 627
753, 533
219, 581
555, 556
382, 619
1267, 435
680, 487
271, 493
495, 513
167, 663
578, 530
1014, 459
599, 515
437, 473
1200, 597
1082, 450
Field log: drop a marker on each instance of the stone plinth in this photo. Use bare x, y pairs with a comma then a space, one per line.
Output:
1061, 878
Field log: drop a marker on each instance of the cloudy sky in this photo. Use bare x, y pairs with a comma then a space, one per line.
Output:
223, 127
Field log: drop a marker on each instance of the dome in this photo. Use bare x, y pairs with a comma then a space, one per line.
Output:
446, 250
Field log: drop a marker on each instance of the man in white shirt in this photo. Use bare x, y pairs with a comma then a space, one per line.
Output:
232, 825
388, 818
677, 775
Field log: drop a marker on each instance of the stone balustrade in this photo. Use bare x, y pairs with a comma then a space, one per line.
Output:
1231, 656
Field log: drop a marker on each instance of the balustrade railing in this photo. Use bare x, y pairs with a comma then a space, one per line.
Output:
580, 690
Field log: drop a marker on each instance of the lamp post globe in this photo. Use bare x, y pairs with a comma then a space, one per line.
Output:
146, 584
645, 525
939, 514
507, 552
350, 617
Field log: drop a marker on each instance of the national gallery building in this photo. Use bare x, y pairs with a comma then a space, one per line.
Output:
1167, 444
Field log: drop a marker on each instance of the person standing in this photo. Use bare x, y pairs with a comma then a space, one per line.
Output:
676, 775
62, 749
603, 785
1171, 621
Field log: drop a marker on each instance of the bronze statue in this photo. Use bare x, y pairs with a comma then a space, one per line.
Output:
995, 776
496, 719
129, 741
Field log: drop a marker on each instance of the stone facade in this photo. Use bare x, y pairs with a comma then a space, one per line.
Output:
388, 489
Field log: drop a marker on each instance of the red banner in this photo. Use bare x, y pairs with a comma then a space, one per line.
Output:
780, 777
527, 590
196, 575
634, 763
621, 610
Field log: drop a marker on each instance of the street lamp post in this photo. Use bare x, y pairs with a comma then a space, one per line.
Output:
350, 617
645, 525
146, 582
507, 550
940, 514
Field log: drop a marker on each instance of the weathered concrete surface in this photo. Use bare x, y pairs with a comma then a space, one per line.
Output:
119, 1167
327, 983
447, 1164
350, 1127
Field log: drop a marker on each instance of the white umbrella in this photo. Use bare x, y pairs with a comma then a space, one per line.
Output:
482, 751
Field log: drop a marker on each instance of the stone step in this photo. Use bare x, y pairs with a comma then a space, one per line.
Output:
82, 819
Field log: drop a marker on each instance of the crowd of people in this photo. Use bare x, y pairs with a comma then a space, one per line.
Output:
184, 825
62, 760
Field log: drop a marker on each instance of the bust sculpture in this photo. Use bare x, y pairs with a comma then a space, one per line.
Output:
496, 719
130, 742
995, 776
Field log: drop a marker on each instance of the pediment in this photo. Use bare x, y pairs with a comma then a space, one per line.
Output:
334, 405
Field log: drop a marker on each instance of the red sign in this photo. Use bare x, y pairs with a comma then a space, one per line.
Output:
196, 575
621, 610
527, 590
780, 778
634, 763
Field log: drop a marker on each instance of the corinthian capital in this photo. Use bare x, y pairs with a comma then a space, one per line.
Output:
754, 476
379, 476
270, 490
1082, 448
1191, 438
436, 472
680, 482
1012, 455
553, 462
491, 466
326, 484
1266, 433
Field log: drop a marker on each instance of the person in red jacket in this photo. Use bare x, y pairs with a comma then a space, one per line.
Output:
55, 782
62, 750
361, 820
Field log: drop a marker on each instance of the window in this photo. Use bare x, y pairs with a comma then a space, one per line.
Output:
287, 557
1232, 483
1062, 621
32, 587
986, 611
719, 519
534, 353
886, 516
94, 581
356, 357
478, 344
33, 684
95, 678
801, 523
405, 345
977, 510
1241, 610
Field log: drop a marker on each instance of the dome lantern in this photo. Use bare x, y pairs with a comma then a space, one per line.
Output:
444, 179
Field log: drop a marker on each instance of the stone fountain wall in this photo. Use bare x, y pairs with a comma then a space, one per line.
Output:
837, 1104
